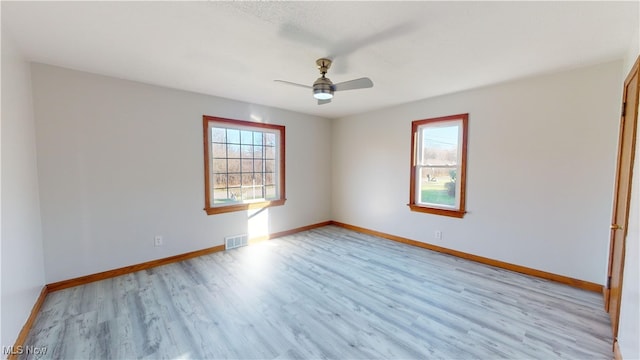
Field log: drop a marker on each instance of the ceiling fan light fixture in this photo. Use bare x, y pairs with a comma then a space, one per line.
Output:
322, 94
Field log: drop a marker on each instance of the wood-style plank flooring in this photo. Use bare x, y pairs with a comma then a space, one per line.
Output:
325, 293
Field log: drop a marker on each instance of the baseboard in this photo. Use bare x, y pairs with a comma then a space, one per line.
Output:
64, 284
586, 285
288, 232
22, 337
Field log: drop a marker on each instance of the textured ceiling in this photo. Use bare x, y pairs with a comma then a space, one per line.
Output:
411, 50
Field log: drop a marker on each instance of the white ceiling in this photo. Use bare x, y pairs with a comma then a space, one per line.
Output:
411, 50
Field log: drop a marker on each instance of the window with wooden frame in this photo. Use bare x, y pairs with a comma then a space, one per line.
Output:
438, 165
243, 165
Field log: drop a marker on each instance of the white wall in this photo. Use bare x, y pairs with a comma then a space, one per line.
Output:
629, 327
540, 171
22, 251
121, 161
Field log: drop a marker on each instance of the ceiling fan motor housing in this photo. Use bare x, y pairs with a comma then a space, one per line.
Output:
323, 86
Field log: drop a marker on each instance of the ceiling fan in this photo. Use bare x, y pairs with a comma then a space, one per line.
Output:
323, 88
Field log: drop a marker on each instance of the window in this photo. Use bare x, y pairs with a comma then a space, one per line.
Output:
243, 165
438, 165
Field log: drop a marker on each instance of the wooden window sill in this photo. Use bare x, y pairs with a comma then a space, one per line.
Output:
241, 207
445, 212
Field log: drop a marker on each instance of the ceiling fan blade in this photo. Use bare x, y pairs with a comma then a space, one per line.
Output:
322, 102
294, 84
361, 83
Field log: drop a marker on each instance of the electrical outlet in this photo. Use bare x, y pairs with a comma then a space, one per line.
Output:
438, 235
157, 240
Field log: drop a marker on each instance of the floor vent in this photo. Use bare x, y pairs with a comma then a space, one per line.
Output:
233, 242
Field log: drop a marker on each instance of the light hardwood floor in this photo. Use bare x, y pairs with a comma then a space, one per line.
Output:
325, 293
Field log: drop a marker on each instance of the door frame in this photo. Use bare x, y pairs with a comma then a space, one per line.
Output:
610, 296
